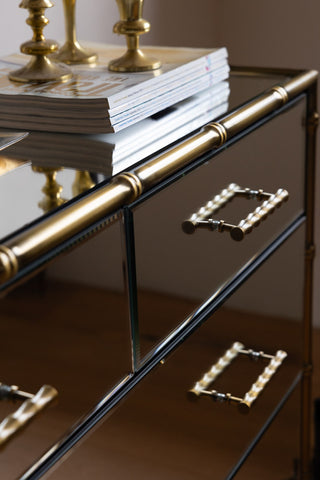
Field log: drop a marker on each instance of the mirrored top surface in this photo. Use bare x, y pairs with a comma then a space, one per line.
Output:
41, 171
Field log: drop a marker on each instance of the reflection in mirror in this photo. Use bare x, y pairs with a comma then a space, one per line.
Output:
52, 190
82, 182
8, 164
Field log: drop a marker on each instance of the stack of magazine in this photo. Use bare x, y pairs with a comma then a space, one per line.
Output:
105, 122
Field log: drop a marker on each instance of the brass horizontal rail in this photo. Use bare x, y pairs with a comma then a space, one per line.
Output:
23, 248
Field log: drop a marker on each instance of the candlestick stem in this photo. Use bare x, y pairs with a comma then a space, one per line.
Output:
72, 52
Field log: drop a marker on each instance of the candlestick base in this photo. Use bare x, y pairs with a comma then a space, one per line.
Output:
134, 61
74, 53
41, 69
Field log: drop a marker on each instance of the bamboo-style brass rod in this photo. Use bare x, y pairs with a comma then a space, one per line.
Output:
27, 246
216, 134
23, 248
306, 383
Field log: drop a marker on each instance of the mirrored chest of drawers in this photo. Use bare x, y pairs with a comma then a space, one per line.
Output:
157, 323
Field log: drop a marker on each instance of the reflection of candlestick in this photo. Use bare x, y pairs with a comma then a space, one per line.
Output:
40, 68
71, 51
82, 182
51, 189
132, 25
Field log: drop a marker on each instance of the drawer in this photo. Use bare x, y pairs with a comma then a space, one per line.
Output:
197, 266
276, 456
68, 328
157, 432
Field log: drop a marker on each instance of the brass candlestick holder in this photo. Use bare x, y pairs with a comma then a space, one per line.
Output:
132, 25
72, 52
40, 68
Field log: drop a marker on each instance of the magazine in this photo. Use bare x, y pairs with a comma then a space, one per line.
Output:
96, 100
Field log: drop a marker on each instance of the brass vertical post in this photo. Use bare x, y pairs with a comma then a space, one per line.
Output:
306, 385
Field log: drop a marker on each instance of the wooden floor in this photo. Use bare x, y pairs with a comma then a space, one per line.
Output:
174, 442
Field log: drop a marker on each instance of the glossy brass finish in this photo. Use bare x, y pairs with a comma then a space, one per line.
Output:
125, 188
220, 129
201, 219
282, 93
244, 404
32, 405
72, 52
166, 164
132, 25
9, 266
40, 68
177, 157
134, 181
52, 190
64, 224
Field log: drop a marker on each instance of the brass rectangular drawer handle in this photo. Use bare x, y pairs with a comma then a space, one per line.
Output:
32, 405
244, 404
201, 219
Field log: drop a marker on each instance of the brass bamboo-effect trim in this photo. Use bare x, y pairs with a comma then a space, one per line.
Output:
134, 181
72, 52
25, 248
40, 68
32, 405
132, 25
244, 404
282, 92
61, 226
222, 132
201, 219
9, 266
164, 165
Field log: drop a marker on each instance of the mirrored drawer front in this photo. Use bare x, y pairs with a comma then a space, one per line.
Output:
278, 447
183, 249
67, 330
163, 431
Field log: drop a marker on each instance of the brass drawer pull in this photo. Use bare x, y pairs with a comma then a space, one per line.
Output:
244, 404
201, 219
32, 405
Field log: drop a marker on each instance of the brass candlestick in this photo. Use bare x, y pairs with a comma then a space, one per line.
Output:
72, 52
52, 190
132, 25
40, 68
